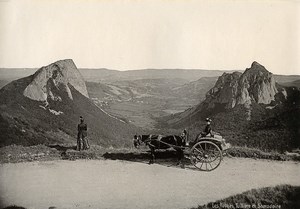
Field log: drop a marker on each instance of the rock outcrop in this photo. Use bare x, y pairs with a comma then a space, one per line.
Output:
256, 85
56, 77
44, 108
225, 90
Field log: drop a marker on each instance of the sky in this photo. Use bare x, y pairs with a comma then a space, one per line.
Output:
139, 34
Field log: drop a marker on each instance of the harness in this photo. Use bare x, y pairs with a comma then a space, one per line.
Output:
148, 142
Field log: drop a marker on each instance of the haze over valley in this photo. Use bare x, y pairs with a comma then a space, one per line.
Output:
143, 96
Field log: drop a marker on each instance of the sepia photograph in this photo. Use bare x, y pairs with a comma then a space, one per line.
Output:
150, 104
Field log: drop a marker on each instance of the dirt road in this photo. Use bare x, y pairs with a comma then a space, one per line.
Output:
122, 184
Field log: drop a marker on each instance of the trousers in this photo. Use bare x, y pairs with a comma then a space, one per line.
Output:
82, 143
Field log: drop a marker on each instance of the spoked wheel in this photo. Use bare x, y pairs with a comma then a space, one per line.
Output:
206, 156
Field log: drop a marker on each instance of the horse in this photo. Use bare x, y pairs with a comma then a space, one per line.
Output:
155, 142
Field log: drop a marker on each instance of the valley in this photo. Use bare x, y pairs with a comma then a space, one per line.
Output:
150, 101
144, 96
143, 101
41, 168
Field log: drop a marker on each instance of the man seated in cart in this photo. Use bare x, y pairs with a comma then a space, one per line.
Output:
207, 130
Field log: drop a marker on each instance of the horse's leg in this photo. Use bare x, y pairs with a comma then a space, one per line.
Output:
152, 160
180, 155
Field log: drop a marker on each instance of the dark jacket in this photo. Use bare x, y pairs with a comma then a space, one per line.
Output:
207, 130
82, 130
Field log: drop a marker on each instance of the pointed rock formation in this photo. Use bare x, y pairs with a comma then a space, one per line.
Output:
56, 77
248, 109
44, 108
225, 90
256, 85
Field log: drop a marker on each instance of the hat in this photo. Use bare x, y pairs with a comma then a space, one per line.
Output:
208, 120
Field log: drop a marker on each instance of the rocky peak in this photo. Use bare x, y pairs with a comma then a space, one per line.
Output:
227, 79
49, 81
257, 72
225, 90
256, 66
256, 84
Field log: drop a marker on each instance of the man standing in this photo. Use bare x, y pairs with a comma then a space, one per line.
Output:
82, 134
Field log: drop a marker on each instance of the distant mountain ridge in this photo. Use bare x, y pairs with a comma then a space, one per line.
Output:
100, 74
295, 83
94, 75
199, 87
103, 74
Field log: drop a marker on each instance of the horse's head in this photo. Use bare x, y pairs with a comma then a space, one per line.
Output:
137, 141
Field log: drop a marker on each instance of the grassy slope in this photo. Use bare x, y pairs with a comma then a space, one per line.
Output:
283, 196
246, 152
67, 151
23, 121
268, 130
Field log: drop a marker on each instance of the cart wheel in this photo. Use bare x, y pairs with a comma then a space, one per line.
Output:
206, 156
